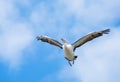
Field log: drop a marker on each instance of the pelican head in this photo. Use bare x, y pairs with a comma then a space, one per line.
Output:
64, 41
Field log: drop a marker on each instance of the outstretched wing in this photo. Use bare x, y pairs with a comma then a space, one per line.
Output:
49, 40
89, 37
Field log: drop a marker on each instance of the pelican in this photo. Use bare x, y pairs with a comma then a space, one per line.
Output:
68, 48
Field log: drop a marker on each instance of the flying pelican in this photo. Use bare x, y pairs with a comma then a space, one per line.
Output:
70, 48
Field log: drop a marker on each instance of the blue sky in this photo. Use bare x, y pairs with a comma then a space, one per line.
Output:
24, 59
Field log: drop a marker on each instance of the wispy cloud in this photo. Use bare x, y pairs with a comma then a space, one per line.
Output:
93, 12
15, 35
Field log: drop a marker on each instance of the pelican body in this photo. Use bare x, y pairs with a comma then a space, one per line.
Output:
69, 49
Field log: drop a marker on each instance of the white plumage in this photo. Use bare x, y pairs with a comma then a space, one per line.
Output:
68, 50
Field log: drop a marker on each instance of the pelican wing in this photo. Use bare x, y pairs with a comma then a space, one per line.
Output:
89, 37
49, 40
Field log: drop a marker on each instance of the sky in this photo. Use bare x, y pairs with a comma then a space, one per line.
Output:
24, 59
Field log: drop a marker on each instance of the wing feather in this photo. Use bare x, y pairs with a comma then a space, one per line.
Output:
49, 40
89, 37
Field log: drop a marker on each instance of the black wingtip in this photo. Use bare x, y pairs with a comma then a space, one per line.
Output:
38, 37
106, 31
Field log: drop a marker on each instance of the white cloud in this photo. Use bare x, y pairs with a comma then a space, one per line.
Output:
93, 12
15, 34
13, 41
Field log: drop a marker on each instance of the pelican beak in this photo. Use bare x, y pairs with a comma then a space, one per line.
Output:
64, 41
